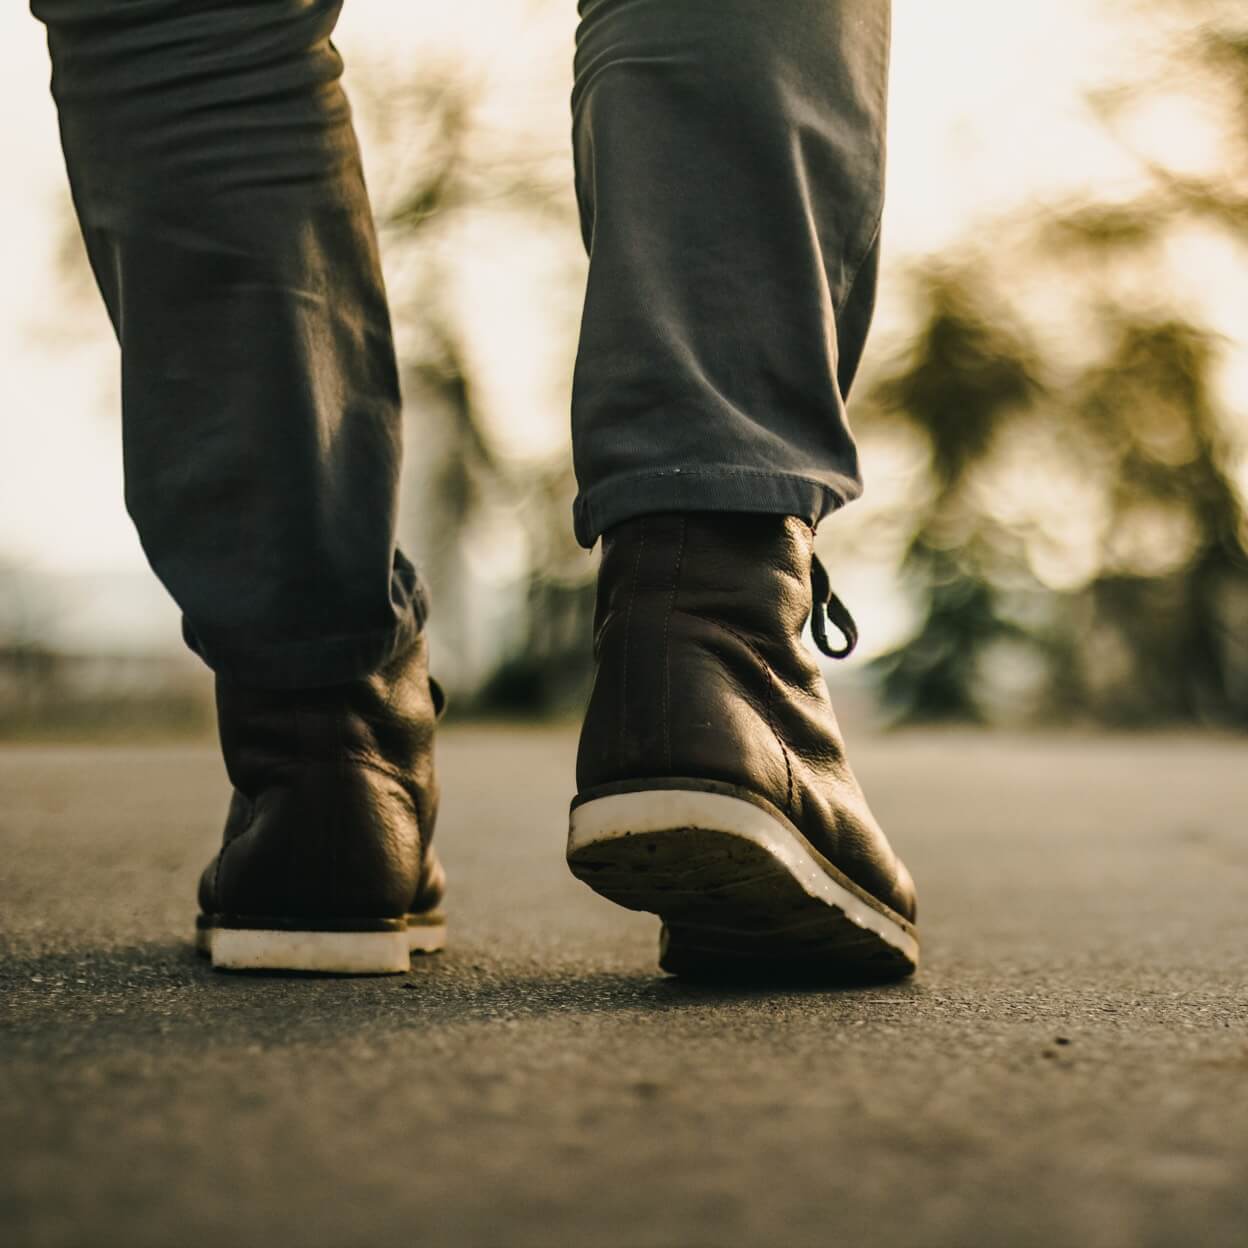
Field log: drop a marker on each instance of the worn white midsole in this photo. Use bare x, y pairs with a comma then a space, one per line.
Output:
426, 937
340, 953
605, 819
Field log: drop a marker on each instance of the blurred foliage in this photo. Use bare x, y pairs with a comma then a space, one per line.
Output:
447, 176
1075, 543
1080, 544
46, 695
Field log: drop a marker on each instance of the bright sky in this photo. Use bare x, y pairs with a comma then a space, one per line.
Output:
986, 110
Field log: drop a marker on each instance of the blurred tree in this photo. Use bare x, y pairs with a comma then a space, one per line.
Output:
442, 178
965, 378
1149, 621
1172, 625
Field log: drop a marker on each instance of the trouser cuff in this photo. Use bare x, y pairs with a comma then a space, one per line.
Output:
311, 663
708, 489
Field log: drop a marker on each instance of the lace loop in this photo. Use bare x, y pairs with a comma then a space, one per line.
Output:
438, 694
828, 607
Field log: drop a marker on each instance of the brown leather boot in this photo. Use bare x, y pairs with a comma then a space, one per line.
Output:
713, 788
327, 864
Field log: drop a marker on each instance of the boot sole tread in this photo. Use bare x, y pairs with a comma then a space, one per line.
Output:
738, 889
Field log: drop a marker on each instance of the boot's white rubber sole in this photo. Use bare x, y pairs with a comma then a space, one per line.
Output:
325, 952
738, 888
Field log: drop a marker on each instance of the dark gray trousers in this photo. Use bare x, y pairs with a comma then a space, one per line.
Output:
729, 174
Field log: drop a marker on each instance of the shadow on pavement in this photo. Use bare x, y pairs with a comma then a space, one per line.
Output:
92, 999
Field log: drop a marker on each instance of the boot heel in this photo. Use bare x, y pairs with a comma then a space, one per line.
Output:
737, 887
426, 933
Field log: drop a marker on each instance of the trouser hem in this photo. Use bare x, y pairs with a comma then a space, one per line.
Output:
311, 663
708, 489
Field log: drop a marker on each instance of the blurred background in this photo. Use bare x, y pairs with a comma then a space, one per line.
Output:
1053, 412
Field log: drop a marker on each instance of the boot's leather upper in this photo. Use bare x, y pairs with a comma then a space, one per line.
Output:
334, 798
702, 674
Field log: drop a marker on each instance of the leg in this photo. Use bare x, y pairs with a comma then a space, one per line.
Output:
216, 178
729, 157
729, 171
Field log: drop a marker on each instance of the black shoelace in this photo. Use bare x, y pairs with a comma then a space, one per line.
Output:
827, 608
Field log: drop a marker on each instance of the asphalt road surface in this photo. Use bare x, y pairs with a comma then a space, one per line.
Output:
1070, 1066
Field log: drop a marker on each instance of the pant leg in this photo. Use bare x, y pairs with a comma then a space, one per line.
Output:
216, 178
729, 164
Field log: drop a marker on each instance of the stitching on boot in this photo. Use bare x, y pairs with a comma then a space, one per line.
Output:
767, 708
667, 653
628, 627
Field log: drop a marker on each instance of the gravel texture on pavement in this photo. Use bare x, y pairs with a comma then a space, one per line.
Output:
1070, 1066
